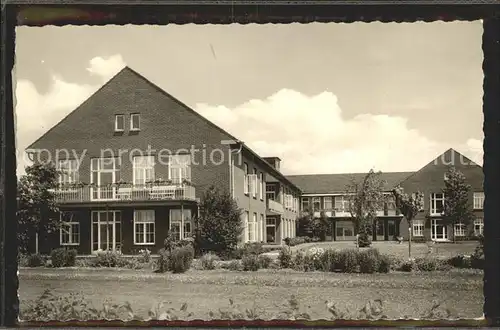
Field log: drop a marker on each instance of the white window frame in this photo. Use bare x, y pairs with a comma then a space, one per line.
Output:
459, 229
132, 116
116, 123
69, 230
144, 165
307, 203
186, 218
433, 203
98, 219
478, 200
246, 185
149, 219
252, 228
418, 227
316, 200
478, 222
254, 183
261, 186
68, 174
246, 219
326, 198
343, 201
180, 164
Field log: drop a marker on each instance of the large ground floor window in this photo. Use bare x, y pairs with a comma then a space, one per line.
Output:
271, 230
144, 227
439, 231
69, 232
106, 231
181, 224
344, 231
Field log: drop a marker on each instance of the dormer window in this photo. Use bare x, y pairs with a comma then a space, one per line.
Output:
119, 123
135, 122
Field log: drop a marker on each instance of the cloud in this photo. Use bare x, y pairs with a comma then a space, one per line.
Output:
36, 112
310, 135
106, 67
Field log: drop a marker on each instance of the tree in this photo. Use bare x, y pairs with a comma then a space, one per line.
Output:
319, 226
219, 226
37, 211
457, 208
365, 198
408, 206
304, 224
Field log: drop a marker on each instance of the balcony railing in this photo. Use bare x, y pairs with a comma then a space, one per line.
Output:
89, 193
274, 206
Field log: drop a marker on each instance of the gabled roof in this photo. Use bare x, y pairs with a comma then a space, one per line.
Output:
336, 183
127, 76
447, 157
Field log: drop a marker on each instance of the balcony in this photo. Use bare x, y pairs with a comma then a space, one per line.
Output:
155, 192
275, 207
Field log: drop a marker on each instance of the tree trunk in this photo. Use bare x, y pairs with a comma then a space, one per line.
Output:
410, 223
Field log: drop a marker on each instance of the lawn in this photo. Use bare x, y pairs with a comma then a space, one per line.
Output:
404, 295
396, 249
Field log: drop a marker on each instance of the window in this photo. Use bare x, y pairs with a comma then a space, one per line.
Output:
135, 122
254, 184
261, 186
103, 172
246, 224
478, 200
445, 177
437, 203
341, 204
181, 224
246, 184
418, 228
328, 203
261, 227
69, 232
459, 229
305, 203
179, 168
144, 170
68, 171
478, 226
144, 227
252, 228
119, 123
316, 203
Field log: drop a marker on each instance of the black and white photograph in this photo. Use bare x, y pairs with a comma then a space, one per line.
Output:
259, 172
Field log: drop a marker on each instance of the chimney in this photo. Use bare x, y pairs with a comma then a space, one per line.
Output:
274, 161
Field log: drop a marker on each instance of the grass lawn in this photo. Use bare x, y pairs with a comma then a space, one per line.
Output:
396, 249
403, 294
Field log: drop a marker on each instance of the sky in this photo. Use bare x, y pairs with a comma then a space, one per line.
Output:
324, 97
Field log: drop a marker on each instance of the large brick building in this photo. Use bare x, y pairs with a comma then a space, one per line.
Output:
134, 163
326, 193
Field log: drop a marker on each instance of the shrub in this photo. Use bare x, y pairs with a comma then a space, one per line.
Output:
298, 262
208, 261
250, 262
369, 261
385, 264
426, 264
219, 224
330, 260
285, 258
181, 259
232, 265
144, 256
109, 259
35, 260
253, 248
348, 261
298, 240
407, 266
63, 257
461, 261
477, 262
264, 261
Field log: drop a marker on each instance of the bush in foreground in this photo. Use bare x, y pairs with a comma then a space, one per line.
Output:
34, 260
285, 258
63, 257
176, 260
250, 262
209, 261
